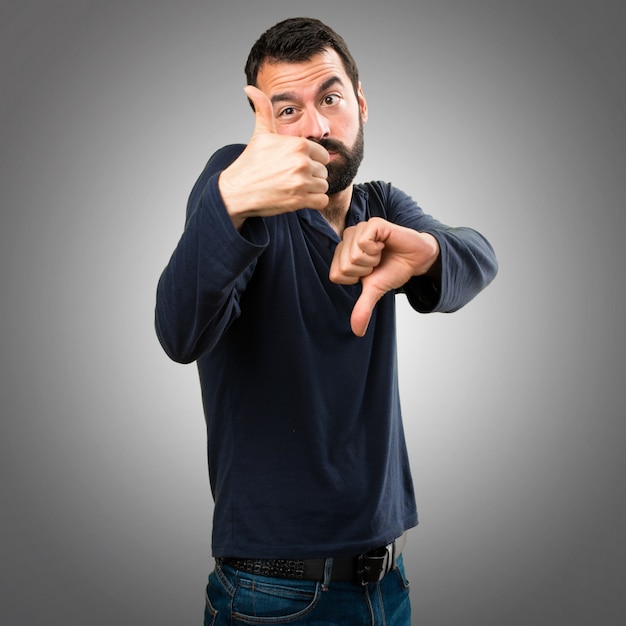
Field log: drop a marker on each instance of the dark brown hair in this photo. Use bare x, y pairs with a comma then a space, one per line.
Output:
296, 40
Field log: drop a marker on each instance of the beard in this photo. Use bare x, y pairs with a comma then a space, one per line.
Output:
343, 170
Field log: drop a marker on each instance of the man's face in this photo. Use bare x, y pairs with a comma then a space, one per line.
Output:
316, 100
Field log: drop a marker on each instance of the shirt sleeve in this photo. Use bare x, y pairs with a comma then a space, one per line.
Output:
199, 291
467, 260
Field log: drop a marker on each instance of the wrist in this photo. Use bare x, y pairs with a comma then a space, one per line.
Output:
433, 267
229, 196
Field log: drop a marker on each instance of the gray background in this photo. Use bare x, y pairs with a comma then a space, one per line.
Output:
509, 116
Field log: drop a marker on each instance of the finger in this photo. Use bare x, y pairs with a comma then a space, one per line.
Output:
319, 153
317, 201
368, 249
318, 170
351, 263
363, 309
360, 255
263, 110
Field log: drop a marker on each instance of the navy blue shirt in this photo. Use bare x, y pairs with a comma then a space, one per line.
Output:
306, 449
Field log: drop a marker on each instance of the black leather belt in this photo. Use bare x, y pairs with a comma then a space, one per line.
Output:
365, 568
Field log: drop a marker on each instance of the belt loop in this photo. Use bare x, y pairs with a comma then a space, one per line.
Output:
328, 568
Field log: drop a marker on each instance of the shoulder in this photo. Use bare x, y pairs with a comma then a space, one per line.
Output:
381, 190
223, 157
383, 199
218, 162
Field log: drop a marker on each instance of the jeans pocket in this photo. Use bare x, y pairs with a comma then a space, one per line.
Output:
210, 614
401, 574
260, 600
218, 597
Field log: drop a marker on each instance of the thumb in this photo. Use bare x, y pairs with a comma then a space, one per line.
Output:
262, 110
363, 309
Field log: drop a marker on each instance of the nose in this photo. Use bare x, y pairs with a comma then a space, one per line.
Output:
316, 126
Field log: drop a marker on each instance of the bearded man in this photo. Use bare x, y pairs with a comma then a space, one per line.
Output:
282, 288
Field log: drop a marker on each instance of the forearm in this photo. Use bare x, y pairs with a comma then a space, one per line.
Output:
198, 292
465, 266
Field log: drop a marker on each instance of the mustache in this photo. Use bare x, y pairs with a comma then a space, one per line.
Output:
332, 145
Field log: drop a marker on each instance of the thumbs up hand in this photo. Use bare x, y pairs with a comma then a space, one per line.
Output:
383, 256
263, 112
275, 173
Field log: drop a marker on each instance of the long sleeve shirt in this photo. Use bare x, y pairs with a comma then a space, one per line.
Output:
306, 449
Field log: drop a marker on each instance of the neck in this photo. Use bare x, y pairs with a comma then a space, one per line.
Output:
337, 209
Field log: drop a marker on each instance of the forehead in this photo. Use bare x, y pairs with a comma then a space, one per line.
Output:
274, 77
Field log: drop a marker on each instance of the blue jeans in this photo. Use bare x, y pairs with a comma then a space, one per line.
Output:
236, 599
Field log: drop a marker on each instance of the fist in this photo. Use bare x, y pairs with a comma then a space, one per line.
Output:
275, 173
383, 256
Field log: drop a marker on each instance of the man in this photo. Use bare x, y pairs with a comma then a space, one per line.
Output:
282, 288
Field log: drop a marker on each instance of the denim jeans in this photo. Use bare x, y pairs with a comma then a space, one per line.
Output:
236, 599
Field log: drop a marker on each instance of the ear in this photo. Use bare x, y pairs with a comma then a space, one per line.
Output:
362, 103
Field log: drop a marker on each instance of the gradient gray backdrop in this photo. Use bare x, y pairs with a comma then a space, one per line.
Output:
509, 116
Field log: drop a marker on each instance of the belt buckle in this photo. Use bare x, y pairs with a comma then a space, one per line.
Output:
374, 565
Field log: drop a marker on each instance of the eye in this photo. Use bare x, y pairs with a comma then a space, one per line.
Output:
287, 112
331, 99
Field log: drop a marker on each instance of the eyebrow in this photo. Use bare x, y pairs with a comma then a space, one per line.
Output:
290, 96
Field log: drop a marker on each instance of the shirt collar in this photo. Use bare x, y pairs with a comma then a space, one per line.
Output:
356, 213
